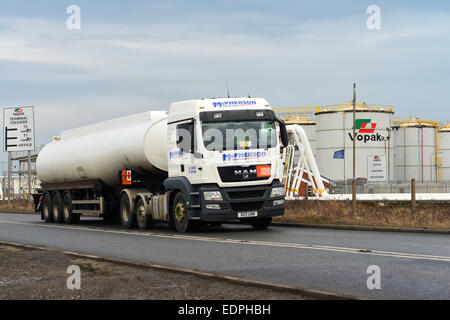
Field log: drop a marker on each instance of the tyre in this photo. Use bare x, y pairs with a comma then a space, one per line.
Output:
68, 215
127, 217
57, 208
47, 208
261, 223
144, 221
180, 214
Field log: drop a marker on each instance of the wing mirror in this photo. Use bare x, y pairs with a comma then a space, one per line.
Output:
283, 132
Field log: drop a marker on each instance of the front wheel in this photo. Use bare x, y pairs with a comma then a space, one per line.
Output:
180, 214
261, 223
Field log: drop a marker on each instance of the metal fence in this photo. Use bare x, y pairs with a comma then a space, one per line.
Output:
392, 187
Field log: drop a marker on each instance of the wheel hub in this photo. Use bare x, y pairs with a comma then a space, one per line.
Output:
141, 214
179, 212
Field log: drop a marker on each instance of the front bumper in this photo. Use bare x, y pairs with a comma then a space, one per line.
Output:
241, 199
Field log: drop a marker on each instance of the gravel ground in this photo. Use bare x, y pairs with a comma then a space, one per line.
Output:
41, 274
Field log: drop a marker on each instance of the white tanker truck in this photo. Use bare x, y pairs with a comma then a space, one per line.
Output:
204, 161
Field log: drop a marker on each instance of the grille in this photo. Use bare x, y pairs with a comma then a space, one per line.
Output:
246, 194
247, 206
239, 173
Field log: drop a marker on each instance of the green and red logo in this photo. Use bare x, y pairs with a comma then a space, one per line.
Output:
366, 131
18, 110
365, 125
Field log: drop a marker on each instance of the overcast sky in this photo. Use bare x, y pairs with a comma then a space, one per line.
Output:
133, 56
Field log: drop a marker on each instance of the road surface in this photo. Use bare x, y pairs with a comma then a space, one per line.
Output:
412, 265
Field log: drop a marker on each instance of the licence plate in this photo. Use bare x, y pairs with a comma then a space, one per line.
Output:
247, 214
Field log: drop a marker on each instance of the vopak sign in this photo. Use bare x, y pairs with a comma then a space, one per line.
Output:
366, 131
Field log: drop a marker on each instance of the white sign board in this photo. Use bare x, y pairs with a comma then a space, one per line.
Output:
18, 129
376, 168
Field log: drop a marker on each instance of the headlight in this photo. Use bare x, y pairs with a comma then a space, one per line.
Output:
212, 196
277, 192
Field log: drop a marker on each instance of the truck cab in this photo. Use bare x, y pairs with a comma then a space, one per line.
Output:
224, 162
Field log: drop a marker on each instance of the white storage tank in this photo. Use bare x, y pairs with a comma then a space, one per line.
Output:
374, 147
101, 150
445, 152
415, 144
308, 125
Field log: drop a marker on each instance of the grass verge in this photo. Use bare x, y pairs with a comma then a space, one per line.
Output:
426, 215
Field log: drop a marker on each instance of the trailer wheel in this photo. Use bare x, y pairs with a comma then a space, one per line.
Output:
57, 208
180, 214
127, 217
144, 221
47, 208
261, 223
68, 215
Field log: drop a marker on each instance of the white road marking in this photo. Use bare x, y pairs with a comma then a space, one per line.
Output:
247, 242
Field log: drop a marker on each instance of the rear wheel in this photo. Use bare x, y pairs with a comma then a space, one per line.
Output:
127, 217
47, 208
180, 214
261, 223
57, 208
144, 221
69, 216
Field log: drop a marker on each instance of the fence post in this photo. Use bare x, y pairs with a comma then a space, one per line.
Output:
413, 195
353, 196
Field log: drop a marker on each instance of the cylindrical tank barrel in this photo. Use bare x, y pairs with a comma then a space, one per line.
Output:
334, 134
445, 155
100, 151
415, 144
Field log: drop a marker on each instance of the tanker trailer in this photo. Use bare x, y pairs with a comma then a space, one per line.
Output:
159, 166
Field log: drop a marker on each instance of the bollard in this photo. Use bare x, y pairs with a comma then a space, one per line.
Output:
413, 195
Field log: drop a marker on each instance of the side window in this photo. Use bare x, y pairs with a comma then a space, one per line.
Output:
185, 137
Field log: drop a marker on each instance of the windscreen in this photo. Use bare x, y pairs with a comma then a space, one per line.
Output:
239, 135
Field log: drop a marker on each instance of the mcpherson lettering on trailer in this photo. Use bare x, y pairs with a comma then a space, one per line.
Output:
225, 310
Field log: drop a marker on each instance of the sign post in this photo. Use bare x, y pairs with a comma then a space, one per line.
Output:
354, 152
376, 169
18, 128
